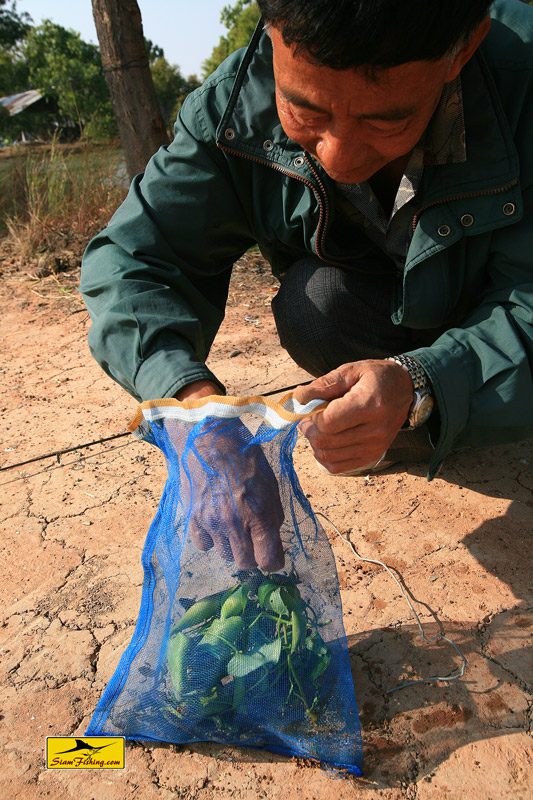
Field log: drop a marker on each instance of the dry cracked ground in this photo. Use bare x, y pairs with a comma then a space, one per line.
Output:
73, 528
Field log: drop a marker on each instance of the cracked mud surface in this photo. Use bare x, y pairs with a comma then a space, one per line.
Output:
73, 529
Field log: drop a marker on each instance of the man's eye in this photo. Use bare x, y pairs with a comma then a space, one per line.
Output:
307, 118
396, 126
310, 122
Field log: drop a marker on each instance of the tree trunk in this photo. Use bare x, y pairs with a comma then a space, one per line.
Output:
127, 72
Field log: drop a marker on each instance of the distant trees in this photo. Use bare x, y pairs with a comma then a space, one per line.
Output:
13, 68
13, 72
68, 71
171, 89
13, 26
59, 64
240, 19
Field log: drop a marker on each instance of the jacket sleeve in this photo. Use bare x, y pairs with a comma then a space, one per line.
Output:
155, 281
482, 372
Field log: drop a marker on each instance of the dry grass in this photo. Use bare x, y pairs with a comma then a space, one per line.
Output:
54, 199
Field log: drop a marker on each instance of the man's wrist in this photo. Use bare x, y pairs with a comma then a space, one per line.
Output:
423, 402
197, 389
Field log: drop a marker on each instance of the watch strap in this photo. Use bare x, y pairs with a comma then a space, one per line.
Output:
422, 404
415, 370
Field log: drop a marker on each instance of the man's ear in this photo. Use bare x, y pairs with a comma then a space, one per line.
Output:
468, 49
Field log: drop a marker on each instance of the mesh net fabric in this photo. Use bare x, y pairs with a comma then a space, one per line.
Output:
224, 650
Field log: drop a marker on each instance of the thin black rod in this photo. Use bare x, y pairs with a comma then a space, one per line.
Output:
58, 453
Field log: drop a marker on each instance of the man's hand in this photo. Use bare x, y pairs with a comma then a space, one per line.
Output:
369, 403
233, 495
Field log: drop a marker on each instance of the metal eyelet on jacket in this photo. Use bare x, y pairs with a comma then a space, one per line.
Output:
467, 220
229, 133
299, 161
268, 145
444, 230
509, 209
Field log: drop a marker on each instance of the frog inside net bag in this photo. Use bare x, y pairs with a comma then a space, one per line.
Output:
240, 637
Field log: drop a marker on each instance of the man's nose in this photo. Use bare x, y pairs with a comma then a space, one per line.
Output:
342, 152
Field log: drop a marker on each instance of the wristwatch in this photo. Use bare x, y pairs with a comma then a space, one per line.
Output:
422, 404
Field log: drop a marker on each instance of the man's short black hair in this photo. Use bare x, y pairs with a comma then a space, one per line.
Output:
374, 34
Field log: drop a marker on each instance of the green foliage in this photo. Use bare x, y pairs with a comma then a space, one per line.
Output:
68, 71
153, 50
13, 68
13, 73
171, 89
240, 19
13, 26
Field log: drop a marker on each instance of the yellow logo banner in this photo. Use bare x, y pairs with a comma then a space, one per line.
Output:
91, 752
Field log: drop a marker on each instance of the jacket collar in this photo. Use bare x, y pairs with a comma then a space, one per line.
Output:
492, 160
250, 124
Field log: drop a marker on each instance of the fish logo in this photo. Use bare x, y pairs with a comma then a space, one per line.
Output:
81, 745
68, 752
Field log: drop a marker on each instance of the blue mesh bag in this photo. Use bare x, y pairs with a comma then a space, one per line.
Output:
240, 638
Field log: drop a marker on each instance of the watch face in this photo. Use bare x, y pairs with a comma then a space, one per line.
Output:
422, 408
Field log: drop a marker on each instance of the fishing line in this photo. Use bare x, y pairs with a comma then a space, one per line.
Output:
58, 453
46, 470
445, 678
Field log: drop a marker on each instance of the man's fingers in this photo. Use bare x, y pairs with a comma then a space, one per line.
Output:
349, 459
268, 549
249, 547
319, 438
327, 387
342, 414
231, 546
237, 503
237, 540
223, 546
354, 450
200, 538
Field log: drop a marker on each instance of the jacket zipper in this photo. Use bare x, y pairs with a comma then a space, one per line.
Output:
324, 217
322, 200
466, 196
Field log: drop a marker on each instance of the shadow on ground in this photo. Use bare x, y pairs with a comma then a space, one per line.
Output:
409, 732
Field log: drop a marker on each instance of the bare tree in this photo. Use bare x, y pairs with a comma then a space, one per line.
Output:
127, 71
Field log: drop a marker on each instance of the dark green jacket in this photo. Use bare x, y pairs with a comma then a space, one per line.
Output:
156, 279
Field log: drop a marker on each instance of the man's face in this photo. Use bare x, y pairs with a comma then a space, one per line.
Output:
352, 125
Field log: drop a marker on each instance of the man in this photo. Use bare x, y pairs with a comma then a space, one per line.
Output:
379, 153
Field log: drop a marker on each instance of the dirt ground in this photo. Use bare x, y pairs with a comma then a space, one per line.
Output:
73, 528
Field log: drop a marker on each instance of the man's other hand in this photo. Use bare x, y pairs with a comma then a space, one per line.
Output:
233, 494
369, 401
